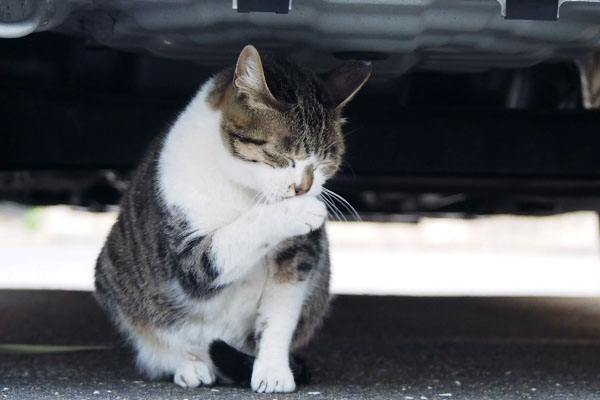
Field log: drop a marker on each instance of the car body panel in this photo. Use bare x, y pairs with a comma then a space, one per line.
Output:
400, 35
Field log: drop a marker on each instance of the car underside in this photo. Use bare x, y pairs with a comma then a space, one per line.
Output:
474, 107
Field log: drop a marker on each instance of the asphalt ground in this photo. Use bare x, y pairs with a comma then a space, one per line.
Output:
370, 348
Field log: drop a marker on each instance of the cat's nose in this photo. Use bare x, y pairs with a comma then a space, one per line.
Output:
301, 190
306, 181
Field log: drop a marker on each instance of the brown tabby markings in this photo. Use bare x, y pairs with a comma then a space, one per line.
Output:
302, 123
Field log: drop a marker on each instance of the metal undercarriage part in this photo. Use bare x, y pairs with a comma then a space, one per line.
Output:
589, 69
449, 35
426, 143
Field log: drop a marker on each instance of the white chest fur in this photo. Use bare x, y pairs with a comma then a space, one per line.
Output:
190, 176
230, 315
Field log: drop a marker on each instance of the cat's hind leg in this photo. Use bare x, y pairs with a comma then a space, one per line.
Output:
162, 356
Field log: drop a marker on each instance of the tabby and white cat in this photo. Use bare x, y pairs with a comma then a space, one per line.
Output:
218, 264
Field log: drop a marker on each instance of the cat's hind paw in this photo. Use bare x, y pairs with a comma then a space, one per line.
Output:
269, 379
193, 374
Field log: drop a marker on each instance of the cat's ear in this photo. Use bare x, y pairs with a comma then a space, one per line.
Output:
344, 81
249, 78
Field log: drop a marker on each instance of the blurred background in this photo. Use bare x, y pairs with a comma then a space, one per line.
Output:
471, 151
55, 247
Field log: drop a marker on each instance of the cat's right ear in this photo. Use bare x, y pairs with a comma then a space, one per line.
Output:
344, 81
249, 80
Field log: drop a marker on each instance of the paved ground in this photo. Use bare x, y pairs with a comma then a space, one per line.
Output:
371, 347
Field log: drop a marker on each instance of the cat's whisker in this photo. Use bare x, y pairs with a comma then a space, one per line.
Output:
257, 197
263, 204
352, 211
328, 205
335, 212
349, 166
351, 132
257, 200
344, 203
267, 200
330, 145
342, 200
260, 204
330, 211
340, 215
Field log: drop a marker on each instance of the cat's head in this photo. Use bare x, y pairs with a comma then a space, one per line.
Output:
281, 124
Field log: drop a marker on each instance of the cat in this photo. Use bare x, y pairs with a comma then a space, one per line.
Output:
219, 253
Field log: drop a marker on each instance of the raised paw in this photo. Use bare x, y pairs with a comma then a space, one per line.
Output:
194, 374
267, 379
303, 214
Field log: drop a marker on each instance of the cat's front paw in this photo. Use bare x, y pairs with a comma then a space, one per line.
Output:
193, 374
272, 379
302, 215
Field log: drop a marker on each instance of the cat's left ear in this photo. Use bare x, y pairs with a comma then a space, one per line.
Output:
249, 78
344, 81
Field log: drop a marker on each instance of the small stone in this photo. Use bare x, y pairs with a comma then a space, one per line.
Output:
408, 397
314, 393
533, 389
457, 383
96, 392
445, 394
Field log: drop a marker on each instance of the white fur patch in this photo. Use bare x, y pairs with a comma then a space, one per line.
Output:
229, 316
